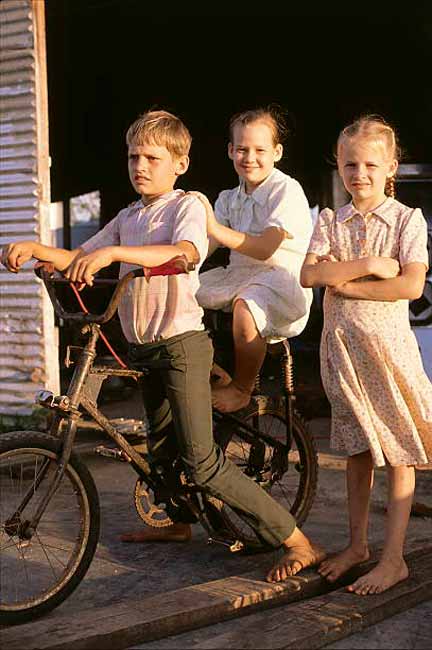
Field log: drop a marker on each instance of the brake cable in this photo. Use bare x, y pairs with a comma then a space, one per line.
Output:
103, 337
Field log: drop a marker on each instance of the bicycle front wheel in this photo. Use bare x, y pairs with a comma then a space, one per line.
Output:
290, 479
40, 569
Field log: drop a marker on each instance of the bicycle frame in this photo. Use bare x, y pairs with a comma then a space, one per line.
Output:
83, 391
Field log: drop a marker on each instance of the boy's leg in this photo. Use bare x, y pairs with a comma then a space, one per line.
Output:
249, 352
188, 390
391, 568
159, 414
359, 478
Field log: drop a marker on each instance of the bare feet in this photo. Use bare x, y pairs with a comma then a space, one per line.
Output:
176, 533
295, 559
386, 574
219, 377
333, 567
230, 398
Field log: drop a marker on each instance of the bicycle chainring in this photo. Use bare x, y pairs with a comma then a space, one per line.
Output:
152, 514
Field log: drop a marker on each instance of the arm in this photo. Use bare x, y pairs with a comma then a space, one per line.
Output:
408, 285
84, 267
260, 247
318, 271
15, 255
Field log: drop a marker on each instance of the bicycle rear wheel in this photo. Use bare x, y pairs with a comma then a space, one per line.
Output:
39, 573
293, 488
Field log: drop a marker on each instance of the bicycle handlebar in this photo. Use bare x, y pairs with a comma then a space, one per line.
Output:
174, 266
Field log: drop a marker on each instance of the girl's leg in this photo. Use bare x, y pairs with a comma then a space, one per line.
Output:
249, 352
359, 478
391, 568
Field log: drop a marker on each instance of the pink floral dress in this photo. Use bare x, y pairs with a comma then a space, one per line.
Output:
372, 372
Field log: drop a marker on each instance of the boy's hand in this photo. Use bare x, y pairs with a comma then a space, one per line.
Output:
84, 267
211, 219
385, 268
15, 255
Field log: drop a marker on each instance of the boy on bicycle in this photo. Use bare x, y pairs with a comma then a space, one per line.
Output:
162, 322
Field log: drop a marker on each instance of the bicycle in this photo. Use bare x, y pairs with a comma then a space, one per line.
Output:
50, 516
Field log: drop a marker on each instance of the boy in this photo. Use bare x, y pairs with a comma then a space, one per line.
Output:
162, 321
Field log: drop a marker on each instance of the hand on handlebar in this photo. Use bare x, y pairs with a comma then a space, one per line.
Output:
84, 267
13, 256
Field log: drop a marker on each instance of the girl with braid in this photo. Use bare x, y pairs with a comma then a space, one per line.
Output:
371, 255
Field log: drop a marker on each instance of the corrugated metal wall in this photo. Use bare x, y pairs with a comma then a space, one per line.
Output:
28, 359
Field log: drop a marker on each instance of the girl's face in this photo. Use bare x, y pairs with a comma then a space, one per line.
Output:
253, 153
364, 166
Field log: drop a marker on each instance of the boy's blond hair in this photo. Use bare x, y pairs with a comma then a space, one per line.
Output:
162, 129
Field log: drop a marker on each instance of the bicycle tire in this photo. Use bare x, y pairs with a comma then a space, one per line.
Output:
297, 487
39, 574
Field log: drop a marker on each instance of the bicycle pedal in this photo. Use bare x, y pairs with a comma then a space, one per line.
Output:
117, 454
234, 546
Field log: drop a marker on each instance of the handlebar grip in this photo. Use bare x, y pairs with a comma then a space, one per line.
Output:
174, 266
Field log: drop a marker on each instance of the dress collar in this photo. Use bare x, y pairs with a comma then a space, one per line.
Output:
261, 194
385, 211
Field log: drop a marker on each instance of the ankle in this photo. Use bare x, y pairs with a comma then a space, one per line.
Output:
359, 548
392, 559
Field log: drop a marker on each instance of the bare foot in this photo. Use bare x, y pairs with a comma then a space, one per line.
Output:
230, 398
219, 376
295, 559
386, 574
333, 567
176, 533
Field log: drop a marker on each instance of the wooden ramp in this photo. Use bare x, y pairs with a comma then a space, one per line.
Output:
318, 613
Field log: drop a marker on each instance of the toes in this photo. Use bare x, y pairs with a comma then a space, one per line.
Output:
294, 568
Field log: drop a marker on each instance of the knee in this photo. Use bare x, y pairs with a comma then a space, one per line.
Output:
204, 474
244, 326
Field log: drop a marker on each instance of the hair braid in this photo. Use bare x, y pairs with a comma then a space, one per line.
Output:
390, 187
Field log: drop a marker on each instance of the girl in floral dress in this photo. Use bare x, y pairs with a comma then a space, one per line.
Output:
371, 255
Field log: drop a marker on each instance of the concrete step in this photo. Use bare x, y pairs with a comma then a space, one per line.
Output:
157, 617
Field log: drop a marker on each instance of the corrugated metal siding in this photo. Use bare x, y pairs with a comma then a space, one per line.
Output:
22, 351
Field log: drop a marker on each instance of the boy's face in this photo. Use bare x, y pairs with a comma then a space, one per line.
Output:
253, 153
153, 171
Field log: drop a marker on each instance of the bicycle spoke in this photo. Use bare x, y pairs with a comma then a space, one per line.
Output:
35, 570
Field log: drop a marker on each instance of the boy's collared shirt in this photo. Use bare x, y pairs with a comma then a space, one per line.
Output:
166, 305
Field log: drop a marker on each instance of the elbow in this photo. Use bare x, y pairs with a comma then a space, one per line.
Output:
307, 279
415, 292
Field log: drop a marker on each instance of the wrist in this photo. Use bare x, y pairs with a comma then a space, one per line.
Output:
112, 252
37, 251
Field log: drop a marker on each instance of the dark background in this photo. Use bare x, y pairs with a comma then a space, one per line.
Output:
110, 60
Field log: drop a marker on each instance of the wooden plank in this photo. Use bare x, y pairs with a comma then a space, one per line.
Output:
323, 620
120, 626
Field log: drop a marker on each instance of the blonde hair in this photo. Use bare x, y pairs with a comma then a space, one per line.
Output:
162, 129
374, 127
272, 115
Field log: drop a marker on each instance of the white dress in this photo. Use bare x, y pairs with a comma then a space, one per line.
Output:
271, 288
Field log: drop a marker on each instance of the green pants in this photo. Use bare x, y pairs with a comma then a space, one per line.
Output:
177, 398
